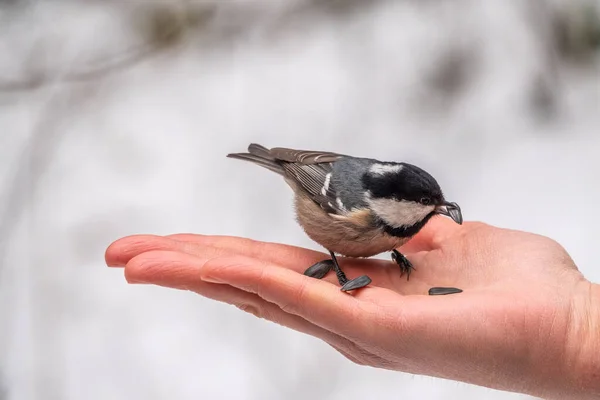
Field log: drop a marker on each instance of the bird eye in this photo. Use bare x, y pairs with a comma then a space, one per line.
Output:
425, 201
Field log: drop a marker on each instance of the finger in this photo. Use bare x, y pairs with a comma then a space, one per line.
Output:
253, 304
298, 258
119, 252
384, 274
319, 302
348, 355
154, 268
432, 235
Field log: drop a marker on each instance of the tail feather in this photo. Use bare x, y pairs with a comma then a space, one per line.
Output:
259, 155
260, 151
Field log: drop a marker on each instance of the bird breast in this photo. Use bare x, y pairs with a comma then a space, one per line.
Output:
354, 235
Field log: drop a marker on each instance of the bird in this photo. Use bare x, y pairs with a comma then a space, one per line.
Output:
356, 207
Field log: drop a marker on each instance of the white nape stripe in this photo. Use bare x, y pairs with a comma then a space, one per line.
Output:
382, 169
399, 213
326, 185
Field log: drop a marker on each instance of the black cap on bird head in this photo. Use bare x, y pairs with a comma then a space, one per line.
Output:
403, 195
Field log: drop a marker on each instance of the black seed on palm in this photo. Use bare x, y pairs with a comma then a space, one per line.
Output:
441, 291
356, 283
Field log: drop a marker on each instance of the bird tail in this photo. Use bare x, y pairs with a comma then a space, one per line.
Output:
259, 155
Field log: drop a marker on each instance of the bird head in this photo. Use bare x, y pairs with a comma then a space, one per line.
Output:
402, 195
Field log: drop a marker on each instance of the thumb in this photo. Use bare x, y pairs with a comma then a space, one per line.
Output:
432, 235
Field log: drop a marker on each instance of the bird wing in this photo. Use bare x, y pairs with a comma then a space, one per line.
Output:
304, 157
311, 171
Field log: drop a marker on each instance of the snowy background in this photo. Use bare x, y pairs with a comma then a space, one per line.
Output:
115, 118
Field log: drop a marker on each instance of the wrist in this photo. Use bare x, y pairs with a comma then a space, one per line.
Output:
567, 364
582, 355
589, 368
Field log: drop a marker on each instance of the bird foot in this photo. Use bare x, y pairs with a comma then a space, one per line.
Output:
322, 268
403, 263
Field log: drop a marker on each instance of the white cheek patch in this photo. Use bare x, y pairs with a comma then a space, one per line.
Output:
399, 213
382, 169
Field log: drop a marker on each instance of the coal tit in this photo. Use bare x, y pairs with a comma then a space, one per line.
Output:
355, 207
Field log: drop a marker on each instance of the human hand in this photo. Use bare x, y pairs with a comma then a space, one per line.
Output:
526, 321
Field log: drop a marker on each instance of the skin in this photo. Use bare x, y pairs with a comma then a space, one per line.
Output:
527, 321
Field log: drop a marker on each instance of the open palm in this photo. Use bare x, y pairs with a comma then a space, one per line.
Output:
515, 311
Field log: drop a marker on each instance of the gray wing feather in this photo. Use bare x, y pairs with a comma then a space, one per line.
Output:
305, 157
263, 162
260, 151
312, 179
307, 169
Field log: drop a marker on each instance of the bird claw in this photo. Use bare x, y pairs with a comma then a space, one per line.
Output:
320, 269
405, 265
356, 283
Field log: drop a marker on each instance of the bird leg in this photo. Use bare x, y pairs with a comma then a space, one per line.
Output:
320, 269
403, 263
348, 285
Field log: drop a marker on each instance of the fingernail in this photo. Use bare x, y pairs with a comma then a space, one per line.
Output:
132, 281
113, 265
211, 279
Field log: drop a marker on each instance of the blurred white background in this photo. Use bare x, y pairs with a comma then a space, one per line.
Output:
115, 118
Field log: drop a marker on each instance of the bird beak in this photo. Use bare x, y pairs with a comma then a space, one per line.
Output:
451, 210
